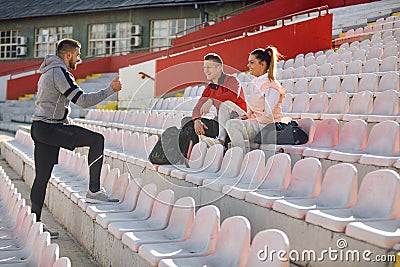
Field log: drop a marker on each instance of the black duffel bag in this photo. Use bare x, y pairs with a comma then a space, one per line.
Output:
281, 134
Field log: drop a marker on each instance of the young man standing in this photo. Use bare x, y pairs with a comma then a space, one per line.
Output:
52, 128
222, 88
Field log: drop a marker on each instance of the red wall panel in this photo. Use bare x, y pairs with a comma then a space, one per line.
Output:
178, 71
21, 86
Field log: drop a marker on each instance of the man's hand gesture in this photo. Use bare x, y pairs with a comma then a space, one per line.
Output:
116, 84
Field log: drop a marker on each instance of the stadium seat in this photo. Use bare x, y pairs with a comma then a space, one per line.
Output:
142, 210
178, 229
381, 147
232, 247
251, 171
338, 191
359, 55
360, 106
318, 105
157, 220
354, 67
316, 85
273, 239
371, 66
230, 167
305, 182
332, 84
378, 199
200, 242
300, 105
368, 82
325, 69
287, 103
300, 86
389, 63
326, 136
276, 177
339, 68
385, 106
128, 203
389, 81
311, 70
299, 72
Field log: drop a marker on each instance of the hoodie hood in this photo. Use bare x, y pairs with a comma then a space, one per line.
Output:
52, 61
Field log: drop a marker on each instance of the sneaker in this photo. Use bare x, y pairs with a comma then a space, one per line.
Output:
99, 197
53, 235
212, 141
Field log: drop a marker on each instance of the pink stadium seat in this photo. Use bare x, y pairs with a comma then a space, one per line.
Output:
230, 167
318, 105
332, 84
320, 59
384, 234
300, 105
287, 103
300, 86
338, 191
311, 70
359, 55
360, 106
339, 68
49, 255
142, 210
382, 148
201, 241
128, 203
368, 82
385, 107
371, 65
288, 63
288, 85
232, 248
288, 73
158, 219
299, 72
389, 64
326, 136
308, 61
178, 229
273, 239
62, 262
378, 199
325, 69
389, 81
338, 105
305, 182
349, 84
276, 177
333, 58
354, 67
251, 171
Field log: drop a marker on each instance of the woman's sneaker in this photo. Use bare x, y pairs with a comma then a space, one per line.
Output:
99, 197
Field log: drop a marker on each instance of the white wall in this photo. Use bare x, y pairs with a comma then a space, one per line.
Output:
135, 90
3, 87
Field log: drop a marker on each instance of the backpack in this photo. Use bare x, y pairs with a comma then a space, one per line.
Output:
166, 150
281, 134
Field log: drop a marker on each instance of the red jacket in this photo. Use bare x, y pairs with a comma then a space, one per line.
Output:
228, 89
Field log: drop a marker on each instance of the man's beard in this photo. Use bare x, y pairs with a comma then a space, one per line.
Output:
72, 65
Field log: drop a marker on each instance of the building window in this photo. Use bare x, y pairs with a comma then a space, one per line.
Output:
8, 44
46, 39
164, 31
111, 39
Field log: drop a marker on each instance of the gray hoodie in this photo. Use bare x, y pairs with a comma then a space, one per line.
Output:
57, 88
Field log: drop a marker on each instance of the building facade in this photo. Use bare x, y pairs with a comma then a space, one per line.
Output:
104, 29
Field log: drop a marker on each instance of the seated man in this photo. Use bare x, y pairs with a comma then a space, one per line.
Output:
222, 87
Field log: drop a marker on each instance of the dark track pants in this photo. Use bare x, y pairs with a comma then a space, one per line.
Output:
48, 139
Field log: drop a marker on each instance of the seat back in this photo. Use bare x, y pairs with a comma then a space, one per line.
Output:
389, 81
231, 162
349, 84
305, 180
206, 226
213, 158
277, 172
368, 82
312, 69
308, 126
299, 72
325, 69
181, 218
386, 103
339, 103
146, 199
379, 195
316, 85
353, 136
371, 65
49, 255
389, 63
301, 103
354, 67
383, 139
339, 68
300, 86
272, 239
339, 186
253, 166
326, 133
361, 103
197, 155
319, 103
233, 242
110, 179
120, 185
162, 207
